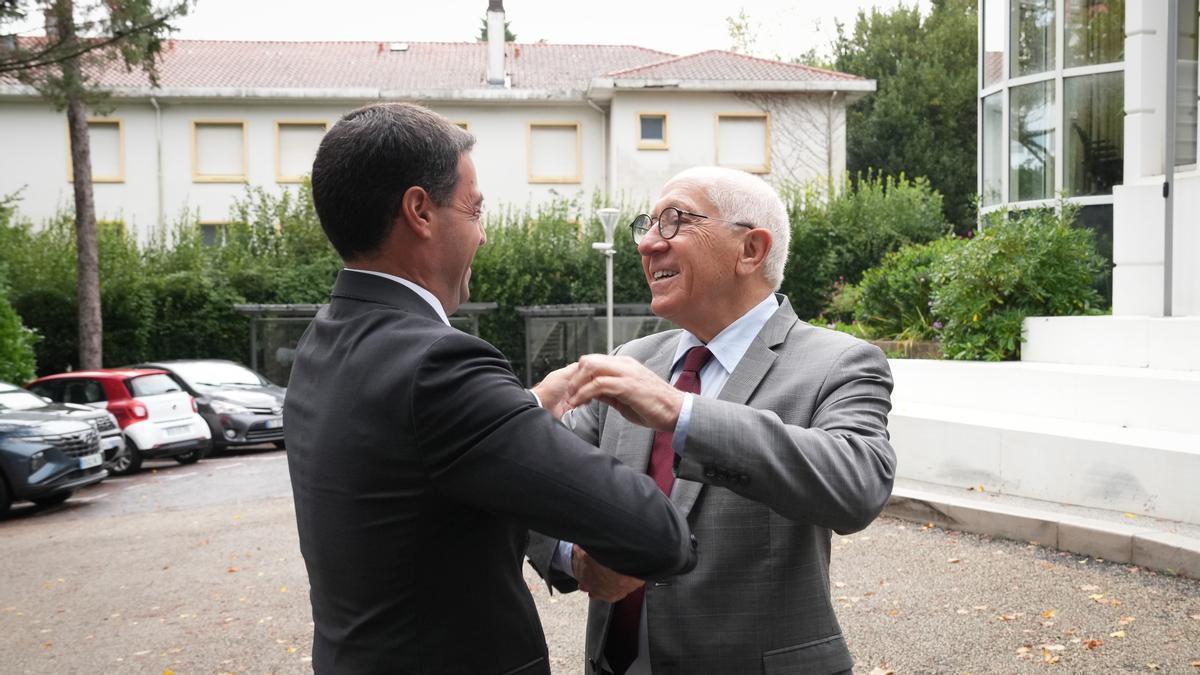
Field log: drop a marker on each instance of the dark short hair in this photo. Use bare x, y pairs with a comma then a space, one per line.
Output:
370, 158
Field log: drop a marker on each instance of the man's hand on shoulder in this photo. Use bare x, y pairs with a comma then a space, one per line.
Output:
552, 390
635, 391
599, 582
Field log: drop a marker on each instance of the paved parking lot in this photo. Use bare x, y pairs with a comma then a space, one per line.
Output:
195, 569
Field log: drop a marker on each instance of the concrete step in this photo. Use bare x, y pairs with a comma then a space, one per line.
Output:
1148, 472
1164, 545
1117, 396
1128, 341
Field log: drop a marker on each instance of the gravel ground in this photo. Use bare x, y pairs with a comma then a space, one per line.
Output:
154, 579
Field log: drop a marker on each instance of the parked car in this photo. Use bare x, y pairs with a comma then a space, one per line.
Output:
112, 441
158, 418
240, 406
45, 457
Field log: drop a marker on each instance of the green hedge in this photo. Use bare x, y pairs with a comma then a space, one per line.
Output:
895, 299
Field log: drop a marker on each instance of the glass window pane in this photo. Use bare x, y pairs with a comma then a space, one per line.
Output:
1095, 32
993, 143
1032, 29
1186, 117
1031, 142
652, 127
993, 40
1094, 125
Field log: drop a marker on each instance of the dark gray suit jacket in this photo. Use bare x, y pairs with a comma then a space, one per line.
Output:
418, 463
795, 446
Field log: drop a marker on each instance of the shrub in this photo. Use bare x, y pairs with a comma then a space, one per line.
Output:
1028, 263
17, 360
837, 240
895, 300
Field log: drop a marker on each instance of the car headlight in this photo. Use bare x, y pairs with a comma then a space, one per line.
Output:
37, 461
226, 408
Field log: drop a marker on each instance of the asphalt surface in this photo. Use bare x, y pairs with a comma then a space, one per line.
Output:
195, 569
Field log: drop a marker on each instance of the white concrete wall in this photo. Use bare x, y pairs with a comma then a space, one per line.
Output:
800, 125
34, 152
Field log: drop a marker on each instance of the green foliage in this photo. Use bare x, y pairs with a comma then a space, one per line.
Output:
835, 241
509, 36
895, 299
921, 119
1028, 263
17, 360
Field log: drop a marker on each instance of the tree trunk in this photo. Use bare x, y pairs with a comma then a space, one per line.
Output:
87, 255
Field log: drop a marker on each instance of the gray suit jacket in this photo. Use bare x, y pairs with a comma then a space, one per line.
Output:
795, 447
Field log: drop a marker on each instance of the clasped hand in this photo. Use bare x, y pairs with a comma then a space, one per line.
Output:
598, 581
635, 391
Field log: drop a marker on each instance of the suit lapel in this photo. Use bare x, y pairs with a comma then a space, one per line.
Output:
741, 384
634, 442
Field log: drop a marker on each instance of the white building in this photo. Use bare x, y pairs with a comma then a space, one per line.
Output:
1096, 99
550, 119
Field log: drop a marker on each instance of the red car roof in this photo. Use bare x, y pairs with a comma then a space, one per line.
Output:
107, 373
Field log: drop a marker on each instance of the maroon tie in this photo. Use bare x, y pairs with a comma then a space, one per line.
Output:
622, 645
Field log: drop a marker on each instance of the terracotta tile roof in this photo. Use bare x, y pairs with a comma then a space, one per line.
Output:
433, 66
722, 65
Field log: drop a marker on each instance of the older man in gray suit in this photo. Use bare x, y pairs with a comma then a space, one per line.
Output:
767, 432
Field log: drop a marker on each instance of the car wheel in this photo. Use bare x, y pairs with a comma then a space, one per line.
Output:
122, 464
135, 458
193, 456
5, 497
54, 499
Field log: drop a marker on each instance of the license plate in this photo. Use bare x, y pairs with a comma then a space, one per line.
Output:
178, 431
110, 443
274, 424
89, 461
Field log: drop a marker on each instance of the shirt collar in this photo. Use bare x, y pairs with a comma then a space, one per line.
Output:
730, 345
424, 294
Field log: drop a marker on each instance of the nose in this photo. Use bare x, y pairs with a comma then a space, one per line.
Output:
652, 242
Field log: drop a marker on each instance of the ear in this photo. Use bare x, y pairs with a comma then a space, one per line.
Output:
416, 212
755, 246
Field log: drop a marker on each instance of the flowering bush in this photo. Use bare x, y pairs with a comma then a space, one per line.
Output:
895, 299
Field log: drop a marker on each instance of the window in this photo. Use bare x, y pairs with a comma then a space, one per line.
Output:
1187, 116
295, 147
213, 233
219, 151
1095, 32
993, 145
1031, 141
1093, 133
744, 141
84, 392
1031, 31
555, 152
993, 40
151, 385
106, 139
652, 131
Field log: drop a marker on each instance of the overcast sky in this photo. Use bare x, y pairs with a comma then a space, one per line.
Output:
784, 28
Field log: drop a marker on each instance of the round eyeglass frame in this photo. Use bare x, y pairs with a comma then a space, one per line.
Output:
641, 225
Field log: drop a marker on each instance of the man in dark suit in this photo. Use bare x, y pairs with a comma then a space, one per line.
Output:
778, 434
418, 462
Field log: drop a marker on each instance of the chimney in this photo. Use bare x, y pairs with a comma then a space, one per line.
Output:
495, 35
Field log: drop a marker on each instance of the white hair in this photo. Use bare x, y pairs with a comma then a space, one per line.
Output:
745, 198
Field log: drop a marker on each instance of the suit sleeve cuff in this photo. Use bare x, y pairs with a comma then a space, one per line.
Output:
561, 562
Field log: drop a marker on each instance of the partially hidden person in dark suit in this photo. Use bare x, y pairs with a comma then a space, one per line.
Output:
768, 432
418, 461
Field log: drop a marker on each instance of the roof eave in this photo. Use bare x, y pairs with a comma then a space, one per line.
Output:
482, 94
609, 84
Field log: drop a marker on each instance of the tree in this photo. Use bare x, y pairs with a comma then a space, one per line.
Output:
921, 120
79, 41
509, 36
741, 33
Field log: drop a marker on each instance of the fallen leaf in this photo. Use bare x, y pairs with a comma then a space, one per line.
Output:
232, 570
1117, 634
1023, 651
1125, 620
1007, 617
1152, 666
1130, 516
839, 584
1089, 588
882, 670
954, 560
1196, 663
1092, 644
1049, 656
168, 672
47, 645
291, 650
1049, 614
283, 589
1096, 596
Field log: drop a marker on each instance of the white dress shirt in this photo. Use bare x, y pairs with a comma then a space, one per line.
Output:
419, 290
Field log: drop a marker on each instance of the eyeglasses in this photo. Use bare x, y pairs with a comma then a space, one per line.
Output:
669, 221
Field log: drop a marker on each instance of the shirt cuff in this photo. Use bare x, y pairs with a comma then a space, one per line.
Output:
681, 425
536, 398
561, 560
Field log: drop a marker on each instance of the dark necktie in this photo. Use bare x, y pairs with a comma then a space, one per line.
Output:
622, 646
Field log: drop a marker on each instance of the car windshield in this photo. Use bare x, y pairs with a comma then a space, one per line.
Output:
19, 400
216, 374
151, 385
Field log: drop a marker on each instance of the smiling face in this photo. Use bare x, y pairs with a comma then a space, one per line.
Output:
460, 234
693, 276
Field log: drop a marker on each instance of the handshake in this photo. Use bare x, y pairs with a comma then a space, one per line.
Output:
641, 396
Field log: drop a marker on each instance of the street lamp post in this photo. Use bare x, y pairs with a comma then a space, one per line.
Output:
608, 218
